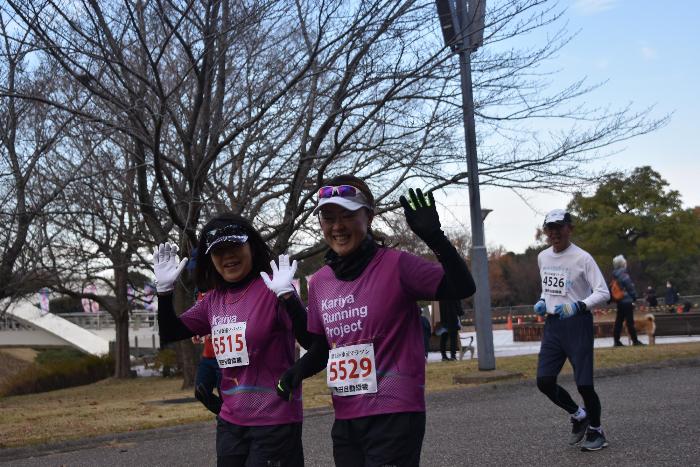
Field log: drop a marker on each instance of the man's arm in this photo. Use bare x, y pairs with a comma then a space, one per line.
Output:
600, 294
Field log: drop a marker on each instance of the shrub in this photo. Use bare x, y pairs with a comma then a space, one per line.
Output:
58, 373
165, 361
60, 354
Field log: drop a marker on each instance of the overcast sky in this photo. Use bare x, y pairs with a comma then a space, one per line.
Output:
648, 52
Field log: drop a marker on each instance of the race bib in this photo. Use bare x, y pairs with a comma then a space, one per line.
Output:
351, 370
554, 281
229, 344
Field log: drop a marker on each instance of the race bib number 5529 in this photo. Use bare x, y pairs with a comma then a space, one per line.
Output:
351, 370
229, 344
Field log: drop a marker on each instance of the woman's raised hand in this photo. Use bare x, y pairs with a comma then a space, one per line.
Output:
166, 266
282, 276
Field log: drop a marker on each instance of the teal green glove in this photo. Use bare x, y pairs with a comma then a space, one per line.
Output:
540, 307
567, 310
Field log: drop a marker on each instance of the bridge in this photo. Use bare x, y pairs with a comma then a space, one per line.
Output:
24, 324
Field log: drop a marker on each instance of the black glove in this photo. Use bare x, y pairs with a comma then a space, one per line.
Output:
290, 380
210, 400
422, 216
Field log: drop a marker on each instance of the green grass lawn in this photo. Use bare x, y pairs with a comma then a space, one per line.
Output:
111, 406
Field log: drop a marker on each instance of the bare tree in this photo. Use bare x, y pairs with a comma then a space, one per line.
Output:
98, 235
31, 134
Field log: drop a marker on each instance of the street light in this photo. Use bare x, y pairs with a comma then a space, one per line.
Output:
462, 24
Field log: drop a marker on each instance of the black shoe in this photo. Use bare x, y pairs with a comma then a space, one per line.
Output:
638, 343
578, 430
445, 359
618, 344
595, 441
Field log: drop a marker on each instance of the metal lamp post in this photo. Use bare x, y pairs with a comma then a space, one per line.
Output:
462, 24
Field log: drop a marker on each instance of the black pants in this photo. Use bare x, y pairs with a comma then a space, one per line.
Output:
625, 312
452, 334
264, 446
385, 440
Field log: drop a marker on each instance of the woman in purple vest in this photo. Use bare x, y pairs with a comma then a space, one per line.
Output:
253, 320
365, 324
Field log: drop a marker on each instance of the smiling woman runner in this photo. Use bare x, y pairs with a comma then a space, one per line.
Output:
366, 325
253, 329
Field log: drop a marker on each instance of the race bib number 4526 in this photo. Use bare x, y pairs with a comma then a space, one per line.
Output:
554, 281
351, 370
229, 344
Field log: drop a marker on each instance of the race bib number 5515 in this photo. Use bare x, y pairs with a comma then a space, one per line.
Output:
351, 370
229, 344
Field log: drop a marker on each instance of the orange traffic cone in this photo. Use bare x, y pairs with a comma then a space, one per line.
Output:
509, 323
539, 319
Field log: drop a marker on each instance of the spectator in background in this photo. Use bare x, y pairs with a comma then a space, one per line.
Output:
625, 306
427, 329
671, 296
450, 312
651, 297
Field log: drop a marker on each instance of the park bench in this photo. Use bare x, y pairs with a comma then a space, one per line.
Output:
675, 324
663, 324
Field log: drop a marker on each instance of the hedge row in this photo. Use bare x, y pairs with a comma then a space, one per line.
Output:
58, 374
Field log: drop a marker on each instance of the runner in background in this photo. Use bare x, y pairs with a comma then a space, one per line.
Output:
366, 327
208, 376
572, 285
252, 326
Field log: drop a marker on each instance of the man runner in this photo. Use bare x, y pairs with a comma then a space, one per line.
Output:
572, 285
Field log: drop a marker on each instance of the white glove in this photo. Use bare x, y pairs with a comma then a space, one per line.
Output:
281, 282
166, 267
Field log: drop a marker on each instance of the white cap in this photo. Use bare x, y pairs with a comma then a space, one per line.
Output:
350, 203
557, 216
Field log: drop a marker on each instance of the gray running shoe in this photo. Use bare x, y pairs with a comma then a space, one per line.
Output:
578, 430
595, 441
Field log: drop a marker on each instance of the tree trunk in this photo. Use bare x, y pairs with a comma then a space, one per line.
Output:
122, 361
187, 353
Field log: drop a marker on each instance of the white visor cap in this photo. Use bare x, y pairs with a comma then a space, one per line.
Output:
350, 203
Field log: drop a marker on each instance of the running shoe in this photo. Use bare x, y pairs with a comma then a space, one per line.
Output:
595, 441
578, 430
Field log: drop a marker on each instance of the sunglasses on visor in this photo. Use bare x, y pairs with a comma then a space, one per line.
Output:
234, 231
343, 191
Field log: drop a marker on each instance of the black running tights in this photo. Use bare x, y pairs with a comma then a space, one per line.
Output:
557, 394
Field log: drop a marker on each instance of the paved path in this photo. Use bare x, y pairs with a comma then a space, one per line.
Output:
651, 415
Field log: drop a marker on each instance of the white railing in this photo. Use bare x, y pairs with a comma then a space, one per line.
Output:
102, 320
139, 319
